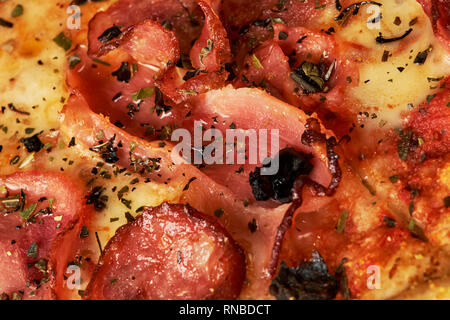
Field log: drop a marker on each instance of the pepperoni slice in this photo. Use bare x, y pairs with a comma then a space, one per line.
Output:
169, 252
38, 211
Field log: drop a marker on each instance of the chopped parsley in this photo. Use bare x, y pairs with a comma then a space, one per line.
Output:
142, 94
62, 41
17, 11
341, 222
32, 251
206, 50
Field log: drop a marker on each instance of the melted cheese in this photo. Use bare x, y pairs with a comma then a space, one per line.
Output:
389, 91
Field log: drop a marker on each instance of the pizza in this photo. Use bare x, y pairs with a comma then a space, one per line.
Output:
233, 149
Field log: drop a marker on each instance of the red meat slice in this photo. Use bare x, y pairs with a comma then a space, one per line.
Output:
169, 252
28, 246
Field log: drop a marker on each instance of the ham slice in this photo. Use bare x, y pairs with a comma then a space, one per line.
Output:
181, 16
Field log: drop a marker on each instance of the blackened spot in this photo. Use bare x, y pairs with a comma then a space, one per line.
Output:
33, 143
97, 198
119, 124
422, 57
110, 34
123, 74
107, 150
309, 281
278, 187
160, 106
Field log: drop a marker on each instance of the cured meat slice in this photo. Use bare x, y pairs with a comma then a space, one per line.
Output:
152, 45
180, 16
212, 49
208, 57
39, 211
301, 67
178, 90
169, 252
439, 13
136, 105
125, 88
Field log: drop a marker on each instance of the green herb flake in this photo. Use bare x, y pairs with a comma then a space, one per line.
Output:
142, 94
14, 160
411, 208
27, 213
319, 6
393, 178
16, 296
206, 50
41, 265
390, 223
73, 60
188, 92
62, 41
129, 217
256, 63
253, 226
282, 35
101, 62
412, 225
5, 23
32, 251
341, 222
218, 212
84, 232
126, 203
404, 145
17, 11
278, 21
